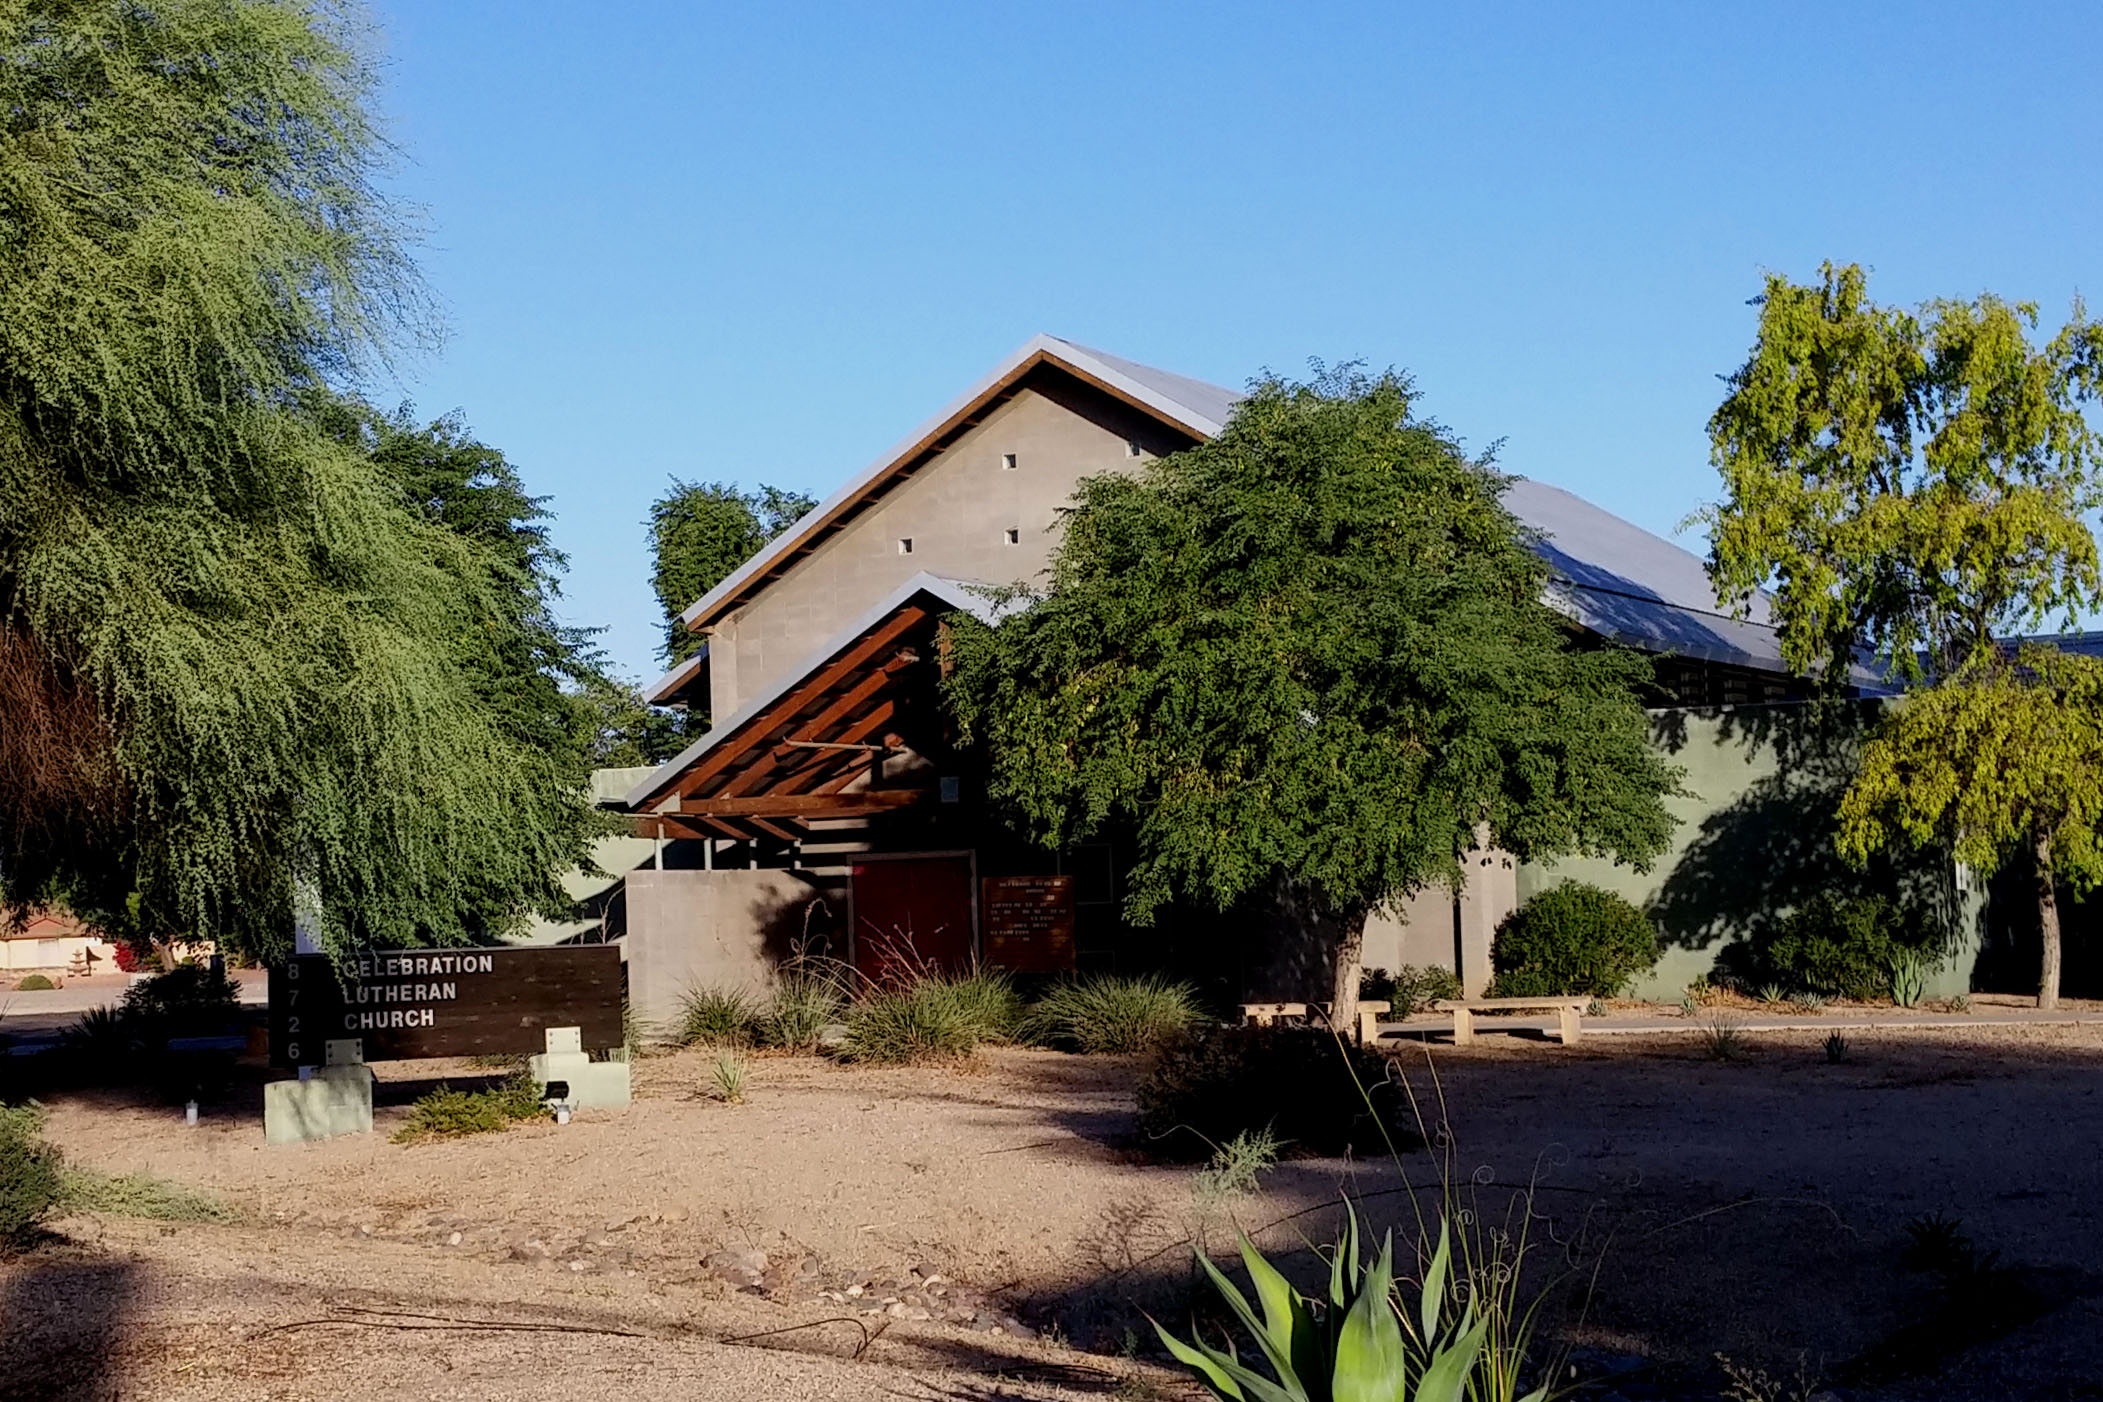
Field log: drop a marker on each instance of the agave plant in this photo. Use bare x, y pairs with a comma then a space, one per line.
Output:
1360, 1344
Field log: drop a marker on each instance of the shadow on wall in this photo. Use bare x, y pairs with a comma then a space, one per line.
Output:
2011, 954
66, 1322
1760, 855
813, 925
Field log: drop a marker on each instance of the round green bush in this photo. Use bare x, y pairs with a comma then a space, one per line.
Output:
1836, 946
1572, 938
35, 983
1302, 1085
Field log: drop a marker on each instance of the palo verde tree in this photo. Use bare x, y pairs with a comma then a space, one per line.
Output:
702, 531
1913, 487
1311, 652
249, 660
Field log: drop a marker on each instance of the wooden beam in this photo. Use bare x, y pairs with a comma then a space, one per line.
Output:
785, 710
768, 805
858, 731
766, 827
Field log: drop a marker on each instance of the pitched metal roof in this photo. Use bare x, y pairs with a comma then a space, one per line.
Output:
1192, 405
1611, 576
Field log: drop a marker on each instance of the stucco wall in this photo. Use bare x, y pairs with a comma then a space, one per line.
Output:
1755, 840
723, 928
956, 511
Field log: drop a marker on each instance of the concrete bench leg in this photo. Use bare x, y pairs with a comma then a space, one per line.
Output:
1368, 1028
1571, 1021
1463, 1027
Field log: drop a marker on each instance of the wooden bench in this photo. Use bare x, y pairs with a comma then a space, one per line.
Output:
1569, 1013
1368, 1012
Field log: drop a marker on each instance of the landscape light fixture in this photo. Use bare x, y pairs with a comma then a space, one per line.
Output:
557, 1098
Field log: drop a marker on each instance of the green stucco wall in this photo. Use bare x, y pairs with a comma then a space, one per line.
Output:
1755, 840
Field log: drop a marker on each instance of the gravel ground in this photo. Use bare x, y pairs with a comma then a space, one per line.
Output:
980, 1216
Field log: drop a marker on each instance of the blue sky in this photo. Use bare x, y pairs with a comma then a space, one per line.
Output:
760, 242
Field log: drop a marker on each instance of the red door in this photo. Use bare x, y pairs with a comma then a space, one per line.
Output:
912, 915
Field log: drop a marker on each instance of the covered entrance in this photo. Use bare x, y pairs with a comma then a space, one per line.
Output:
912, 914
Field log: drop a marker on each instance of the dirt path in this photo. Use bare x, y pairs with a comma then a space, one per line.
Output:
1754, 1207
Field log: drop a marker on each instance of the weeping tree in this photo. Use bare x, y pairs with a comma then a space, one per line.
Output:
1913, 487
1310, 654
249, 657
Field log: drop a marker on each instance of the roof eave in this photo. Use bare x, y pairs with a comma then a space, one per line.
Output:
1037, 350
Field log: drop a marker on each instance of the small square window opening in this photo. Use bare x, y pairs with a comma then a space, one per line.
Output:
1007, 462
1011, 536
905, 545
1132, 449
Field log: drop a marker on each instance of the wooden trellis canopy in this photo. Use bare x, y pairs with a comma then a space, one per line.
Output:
815, 749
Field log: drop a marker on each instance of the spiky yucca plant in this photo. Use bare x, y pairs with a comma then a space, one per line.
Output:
1360, 1344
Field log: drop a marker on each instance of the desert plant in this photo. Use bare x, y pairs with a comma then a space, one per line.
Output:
140, 1195
1909, 978
1108, 1013
35, 983
1237, 1164
931, 1017
730, 1077
809, 996
1836, 1048
1837, 946
1364, 1339
447, 1113
1573, 938
1807, 1003
1961, 1003
711, 1015
1306, 1086
1772, 995
31, 1174
1417, 988
1722, 1039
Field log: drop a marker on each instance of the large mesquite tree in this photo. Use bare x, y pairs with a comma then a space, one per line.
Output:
1311, 651
240, 657
1914, 487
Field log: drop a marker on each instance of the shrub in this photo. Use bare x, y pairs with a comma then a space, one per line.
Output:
809, 996
190, 1000
713, 1016
35, 983
1112, 1014
30, 1174
1839, 947
1418, 988
1572, 938
1302, 1084
448, 1113
933, 1017
141, 1195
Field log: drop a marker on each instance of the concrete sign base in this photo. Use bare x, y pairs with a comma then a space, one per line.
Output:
337, 1100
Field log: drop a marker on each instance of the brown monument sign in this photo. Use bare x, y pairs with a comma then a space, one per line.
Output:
403, 1003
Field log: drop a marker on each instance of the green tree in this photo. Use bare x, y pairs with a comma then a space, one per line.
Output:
1312, 651
252, 664
699, 533
1913, 487
1995, 763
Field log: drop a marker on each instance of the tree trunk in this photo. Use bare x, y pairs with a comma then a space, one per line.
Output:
2047, 924
1350, 949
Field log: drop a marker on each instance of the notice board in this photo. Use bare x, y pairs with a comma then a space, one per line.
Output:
404, 1003
1028, 923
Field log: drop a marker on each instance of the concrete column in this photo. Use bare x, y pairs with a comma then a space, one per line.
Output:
1489, 892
